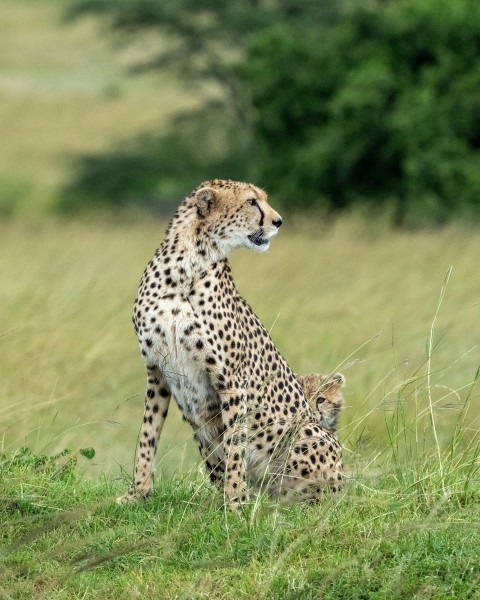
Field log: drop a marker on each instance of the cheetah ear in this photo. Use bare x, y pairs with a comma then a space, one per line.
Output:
336, 381
206, 201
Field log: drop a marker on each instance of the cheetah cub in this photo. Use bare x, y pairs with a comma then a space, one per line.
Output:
324, 395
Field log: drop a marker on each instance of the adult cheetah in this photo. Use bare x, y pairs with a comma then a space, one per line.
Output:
203, 344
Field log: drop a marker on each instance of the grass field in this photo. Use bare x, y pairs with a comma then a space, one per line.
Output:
340, 298
65, 539
363, 304
335, 297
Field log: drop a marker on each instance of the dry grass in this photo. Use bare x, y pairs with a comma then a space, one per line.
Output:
71, 373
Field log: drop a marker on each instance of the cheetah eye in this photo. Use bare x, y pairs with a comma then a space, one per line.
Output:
252, 201
320, 400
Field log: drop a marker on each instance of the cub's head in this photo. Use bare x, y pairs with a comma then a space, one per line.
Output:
235, 214
324, 395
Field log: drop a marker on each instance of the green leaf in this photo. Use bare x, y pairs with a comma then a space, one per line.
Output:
88, 453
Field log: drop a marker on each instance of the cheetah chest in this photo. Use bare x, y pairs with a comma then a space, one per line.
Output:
176, 344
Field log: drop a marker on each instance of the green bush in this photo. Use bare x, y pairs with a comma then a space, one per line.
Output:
330, 104
202, 42
381, 107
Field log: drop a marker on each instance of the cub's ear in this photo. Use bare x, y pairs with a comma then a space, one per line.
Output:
339, 379
332, 382
206, 201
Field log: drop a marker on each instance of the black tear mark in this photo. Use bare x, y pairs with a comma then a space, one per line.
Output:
262, 216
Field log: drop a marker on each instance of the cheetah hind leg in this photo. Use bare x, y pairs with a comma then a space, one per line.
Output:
214, 464
157, 399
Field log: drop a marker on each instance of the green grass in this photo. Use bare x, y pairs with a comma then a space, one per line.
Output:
407, 525
66, 538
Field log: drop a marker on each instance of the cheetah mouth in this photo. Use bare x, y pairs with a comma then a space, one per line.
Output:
257, 238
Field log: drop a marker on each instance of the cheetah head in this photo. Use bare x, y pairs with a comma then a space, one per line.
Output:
236, 215
325, 397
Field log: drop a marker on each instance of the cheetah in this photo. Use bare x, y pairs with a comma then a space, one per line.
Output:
324, 395
203, 344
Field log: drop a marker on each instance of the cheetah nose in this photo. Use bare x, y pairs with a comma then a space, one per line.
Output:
277, 222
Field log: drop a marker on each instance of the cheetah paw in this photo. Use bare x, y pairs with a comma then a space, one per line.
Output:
132, 497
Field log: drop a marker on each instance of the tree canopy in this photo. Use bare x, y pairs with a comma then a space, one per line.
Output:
329, 103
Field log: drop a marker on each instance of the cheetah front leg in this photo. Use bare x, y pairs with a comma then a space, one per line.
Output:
157, 399
234, 443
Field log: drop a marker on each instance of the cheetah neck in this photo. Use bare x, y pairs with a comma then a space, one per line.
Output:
190, 247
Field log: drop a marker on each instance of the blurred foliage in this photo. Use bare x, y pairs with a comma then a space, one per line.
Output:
154, 171
382, 107
330, 103
202, 42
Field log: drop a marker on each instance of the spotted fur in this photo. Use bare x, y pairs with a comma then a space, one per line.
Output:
203, 344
